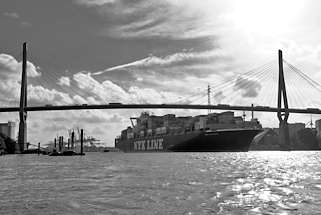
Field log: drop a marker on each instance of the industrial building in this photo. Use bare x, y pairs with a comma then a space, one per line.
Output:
301, 138
7, 137
318, 129
8, 129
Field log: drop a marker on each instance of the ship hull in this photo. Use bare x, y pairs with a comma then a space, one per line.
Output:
228, 140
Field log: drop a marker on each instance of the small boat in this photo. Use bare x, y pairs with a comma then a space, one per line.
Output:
65, 153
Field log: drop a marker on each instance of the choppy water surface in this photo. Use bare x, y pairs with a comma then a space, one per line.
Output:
162, 183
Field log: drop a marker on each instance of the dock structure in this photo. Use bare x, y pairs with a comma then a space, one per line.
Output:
70, 149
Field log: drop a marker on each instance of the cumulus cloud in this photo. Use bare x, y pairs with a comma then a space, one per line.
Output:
64, 81
54, 127
13, 15
99, 131
26, 24
145, 95
16, 16
86, 117
115, 119
79, 100
10, 67
106, 91
10, 75
249, 87
218, 97
42, 95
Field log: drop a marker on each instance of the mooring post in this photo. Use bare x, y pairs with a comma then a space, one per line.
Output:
62, 143
59, 143
283, 115
81, 141
72, 139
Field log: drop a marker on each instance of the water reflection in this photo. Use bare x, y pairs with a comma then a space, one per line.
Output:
162, 183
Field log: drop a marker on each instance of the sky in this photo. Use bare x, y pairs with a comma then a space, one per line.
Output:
148, 51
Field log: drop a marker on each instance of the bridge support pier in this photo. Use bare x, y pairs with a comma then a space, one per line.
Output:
284, 136
283, 115
22, 136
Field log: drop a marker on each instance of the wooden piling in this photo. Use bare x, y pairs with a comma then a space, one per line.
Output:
72, 140
81, 141
62, 143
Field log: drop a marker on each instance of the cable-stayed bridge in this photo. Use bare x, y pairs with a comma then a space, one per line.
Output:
261, 87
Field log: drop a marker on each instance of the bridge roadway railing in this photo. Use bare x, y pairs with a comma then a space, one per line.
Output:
161, 106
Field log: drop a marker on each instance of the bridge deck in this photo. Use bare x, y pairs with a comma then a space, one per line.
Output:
161, 106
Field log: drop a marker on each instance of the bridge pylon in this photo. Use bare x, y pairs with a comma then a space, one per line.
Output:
283, 115
22, 135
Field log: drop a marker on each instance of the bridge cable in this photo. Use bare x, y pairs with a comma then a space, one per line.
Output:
304, 96
248, 82
313, 83
250, 73
291, 83
204, 95
191, 96
244, 81
258, 73
267, 88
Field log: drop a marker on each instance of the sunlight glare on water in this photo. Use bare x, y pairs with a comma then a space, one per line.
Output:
162, 183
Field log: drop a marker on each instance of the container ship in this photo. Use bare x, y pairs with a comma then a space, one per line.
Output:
214, 132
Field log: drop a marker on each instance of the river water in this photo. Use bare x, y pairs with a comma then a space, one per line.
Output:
162, 183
